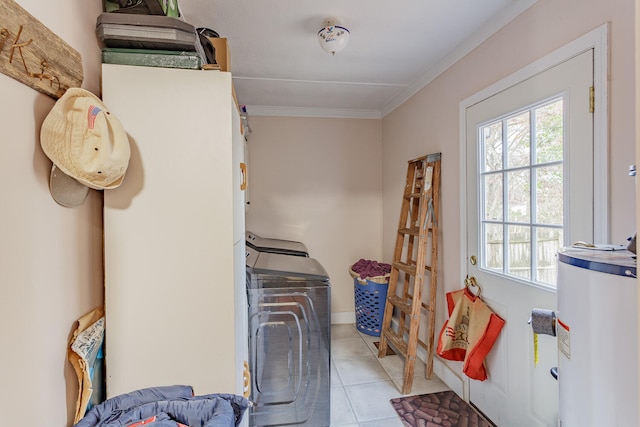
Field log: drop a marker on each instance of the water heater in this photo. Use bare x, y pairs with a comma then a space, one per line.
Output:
597, 330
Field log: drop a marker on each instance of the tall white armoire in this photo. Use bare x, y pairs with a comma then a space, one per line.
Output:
174, 233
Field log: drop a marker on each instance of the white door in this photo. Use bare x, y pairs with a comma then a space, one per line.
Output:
529, 192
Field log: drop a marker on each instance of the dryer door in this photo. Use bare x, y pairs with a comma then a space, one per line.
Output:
289, 356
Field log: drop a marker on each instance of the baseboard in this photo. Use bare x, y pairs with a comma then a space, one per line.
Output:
449, 377
343, 317
445, 373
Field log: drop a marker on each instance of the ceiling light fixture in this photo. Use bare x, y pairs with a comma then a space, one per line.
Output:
333, 37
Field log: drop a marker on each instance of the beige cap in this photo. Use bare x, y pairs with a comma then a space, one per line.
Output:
85, 141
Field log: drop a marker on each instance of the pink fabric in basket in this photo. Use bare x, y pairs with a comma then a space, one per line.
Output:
367, 268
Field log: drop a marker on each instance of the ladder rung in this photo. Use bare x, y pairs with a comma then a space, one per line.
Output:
396, 341
426, 307
412, 231
398, 302
413, 195
409, 269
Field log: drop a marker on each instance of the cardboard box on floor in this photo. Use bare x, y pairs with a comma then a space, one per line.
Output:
223, 56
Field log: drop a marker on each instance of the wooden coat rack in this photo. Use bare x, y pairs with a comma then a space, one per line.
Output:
32, 54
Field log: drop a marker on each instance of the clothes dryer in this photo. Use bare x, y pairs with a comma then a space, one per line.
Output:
289, 340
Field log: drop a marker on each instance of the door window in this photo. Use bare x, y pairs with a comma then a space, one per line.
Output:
521, 179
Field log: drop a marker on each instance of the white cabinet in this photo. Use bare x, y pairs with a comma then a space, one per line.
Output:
173, 234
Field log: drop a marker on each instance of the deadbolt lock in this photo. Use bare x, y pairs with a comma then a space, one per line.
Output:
473, 260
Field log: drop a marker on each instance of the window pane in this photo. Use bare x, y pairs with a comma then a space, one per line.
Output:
549, 132
549, 207
520, 251
492, 137
549, 240
518, 140
494, 241
493, 197
519, 206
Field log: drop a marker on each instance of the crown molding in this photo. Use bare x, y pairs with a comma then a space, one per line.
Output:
339, 113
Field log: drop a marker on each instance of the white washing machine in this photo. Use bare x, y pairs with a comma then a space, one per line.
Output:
597, 329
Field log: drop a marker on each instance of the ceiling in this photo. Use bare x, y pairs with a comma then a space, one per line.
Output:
395, 48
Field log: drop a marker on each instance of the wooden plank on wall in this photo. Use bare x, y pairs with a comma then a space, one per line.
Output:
32, 54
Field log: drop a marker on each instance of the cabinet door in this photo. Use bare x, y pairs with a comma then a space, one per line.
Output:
239, 177
168, 234
241, 315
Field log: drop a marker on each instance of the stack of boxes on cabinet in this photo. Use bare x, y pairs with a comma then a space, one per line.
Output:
153, 33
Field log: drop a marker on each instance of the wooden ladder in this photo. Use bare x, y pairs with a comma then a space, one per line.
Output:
417, 230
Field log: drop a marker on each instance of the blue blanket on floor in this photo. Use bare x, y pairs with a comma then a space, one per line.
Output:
168, 406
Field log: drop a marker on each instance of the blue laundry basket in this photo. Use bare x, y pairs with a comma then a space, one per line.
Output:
370, 296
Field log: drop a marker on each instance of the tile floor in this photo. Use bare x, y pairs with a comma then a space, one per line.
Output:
362, 384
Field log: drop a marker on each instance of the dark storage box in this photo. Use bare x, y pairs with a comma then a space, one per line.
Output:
146, 32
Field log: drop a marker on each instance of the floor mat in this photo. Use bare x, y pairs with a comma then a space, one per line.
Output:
437, 409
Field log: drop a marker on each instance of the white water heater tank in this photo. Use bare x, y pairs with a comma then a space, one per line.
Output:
597, 330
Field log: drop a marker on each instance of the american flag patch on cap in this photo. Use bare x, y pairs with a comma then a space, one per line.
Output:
93, 112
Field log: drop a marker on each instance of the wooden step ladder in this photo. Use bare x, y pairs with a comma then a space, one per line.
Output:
412, 262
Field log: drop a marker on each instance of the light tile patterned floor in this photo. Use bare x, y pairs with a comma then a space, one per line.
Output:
362, 384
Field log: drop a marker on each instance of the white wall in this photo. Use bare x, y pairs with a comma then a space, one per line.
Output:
318, 181
51, 257
429, 121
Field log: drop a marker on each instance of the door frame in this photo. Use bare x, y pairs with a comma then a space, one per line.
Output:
597, 40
